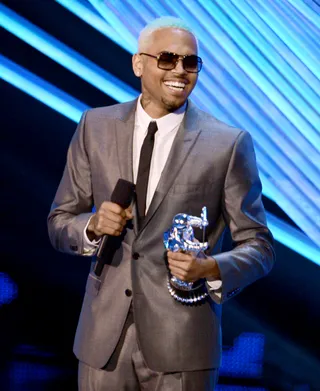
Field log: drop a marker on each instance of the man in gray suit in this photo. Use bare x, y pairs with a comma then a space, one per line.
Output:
132, 334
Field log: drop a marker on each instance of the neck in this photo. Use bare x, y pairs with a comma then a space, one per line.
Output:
151, 109
155, 111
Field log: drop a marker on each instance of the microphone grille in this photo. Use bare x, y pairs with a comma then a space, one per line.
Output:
123, 193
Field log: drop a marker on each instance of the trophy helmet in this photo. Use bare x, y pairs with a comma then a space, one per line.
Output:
181, 220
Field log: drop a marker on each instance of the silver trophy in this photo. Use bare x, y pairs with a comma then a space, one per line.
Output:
181, 237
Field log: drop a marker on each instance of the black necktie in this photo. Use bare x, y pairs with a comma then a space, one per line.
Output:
144, 169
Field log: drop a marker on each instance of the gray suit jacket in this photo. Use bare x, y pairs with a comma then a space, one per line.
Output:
210, 164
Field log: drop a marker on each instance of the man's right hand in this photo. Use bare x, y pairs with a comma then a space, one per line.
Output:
110, 219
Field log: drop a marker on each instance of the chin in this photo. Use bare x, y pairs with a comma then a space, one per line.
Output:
173, 105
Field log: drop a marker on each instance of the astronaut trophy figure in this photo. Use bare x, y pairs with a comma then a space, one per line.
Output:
181, 237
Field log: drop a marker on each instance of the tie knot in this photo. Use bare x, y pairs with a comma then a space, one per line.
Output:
152, 128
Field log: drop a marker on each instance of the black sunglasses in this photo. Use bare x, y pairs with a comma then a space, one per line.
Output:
167, 61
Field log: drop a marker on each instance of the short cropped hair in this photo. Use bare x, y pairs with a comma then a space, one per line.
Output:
162, 23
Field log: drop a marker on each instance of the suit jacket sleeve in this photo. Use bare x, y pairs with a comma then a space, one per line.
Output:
253, 255
72, 205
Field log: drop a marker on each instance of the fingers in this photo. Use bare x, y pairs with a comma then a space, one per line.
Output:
181, 265
183, 272
110, 219
182, 275
129, 214
111, 207
189, 266
180, 256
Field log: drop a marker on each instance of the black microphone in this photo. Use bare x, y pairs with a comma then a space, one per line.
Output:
121, 195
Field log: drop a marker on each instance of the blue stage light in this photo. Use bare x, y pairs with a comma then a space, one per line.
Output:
249, 58
8, 289
33, 375
90, 16
309, 13
116, 23
41, 90
304, 50
65, 56
292, 16
279, 46
225, 387
269, 61
293, 239
245, 358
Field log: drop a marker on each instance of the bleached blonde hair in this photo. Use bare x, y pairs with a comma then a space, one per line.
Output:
158, 24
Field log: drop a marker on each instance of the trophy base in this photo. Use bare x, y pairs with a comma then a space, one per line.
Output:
183, 285
187, 297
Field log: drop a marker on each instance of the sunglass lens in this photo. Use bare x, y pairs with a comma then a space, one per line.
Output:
192, 63
167, 60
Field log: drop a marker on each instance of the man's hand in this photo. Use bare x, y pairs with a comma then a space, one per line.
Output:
189, 267
110, 219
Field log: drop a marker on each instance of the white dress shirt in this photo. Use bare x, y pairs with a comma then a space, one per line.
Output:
167, 129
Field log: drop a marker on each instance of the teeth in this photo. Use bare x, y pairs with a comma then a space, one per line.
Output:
175, 84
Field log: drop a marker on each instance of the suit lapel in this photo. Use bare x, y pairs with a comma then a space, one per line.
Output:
181, 147
124, 129
124, 139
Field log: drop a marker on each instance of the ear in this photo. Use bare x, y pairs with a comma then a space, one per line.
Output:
137, 65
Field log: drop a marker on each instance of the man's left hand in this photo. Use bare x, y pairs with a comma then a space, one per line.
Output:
191, 267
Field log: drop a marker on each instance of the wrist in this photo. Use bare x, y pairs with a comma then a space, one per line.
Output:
90, 232
92, 236
213, 272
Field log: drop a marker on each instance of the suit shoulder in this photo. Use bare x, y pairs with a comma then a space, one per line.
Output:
116, 111
214, 126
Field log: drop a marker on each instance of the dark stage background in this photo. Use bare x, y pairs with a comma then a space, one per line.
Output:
38, 326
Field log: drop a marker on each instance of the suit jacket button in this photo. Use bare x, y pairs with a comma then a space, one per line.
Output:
135, 256
128, 292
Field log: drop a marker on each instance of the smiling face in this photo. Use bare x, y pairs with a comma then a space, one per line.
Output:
164, 91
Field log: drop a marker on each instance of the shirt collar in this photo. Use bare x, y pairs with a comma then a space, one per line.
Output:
165, 124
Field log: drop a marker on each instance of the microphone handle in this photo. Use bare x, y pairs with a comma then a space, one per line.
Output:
121, 195
100, 263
